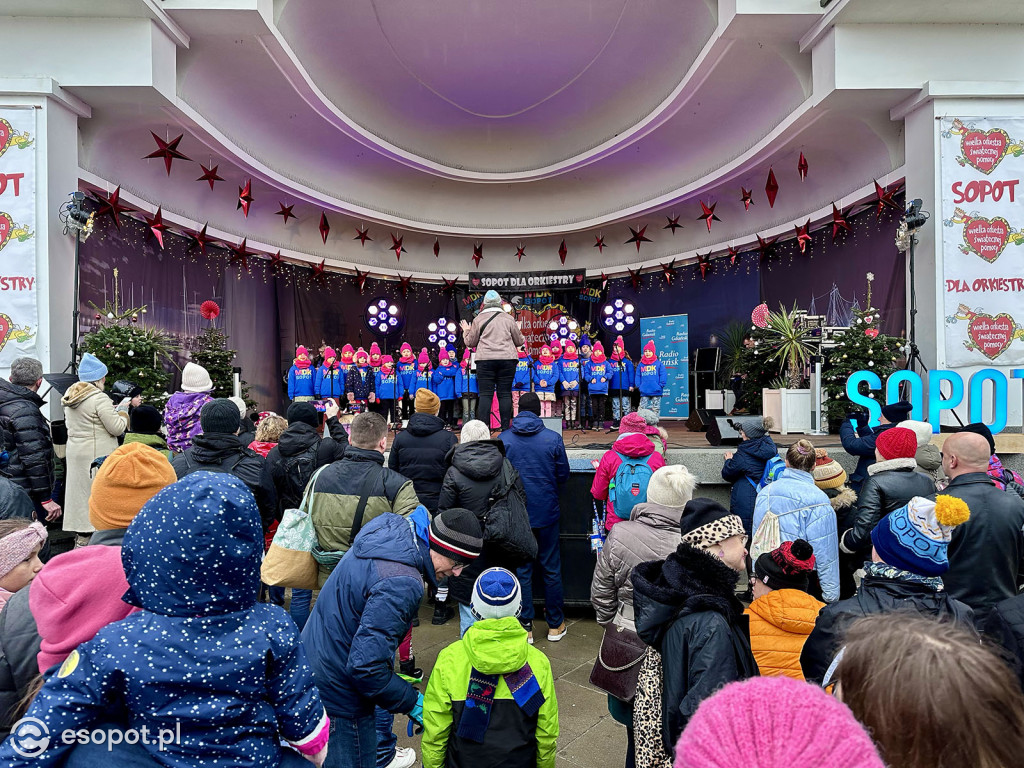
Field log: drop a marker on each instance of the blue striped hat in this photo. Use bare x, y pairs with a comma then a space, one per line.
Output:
496, 595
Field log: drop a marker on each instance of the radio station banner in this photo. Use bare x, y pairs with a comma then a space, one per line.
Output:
505, 282
19, 309
671, 337
981, 166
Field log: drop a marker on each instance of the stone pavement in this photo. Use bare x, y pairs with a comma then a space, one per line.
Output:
587, 734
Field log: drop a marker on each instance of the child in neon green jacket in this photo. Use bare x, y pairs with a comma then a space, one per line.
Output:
491, 696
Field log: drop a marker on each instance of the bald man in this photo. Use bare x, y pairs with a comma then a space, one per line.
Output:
986, 552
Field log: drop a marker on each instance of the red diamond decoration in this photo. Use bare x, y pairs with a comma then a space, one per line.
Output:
245, 197
802, 167
478, 253
771, 188
325, 226
437, 248
708, 214
562, 252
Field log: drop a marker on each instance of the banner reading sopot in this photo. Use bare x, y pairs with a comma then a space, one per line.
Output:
19, 310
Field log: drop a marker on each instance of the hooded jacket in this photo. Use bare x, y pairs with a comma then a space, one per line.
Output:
861, 443
1005, 625
153, 441
524, 374
202, 656
538, 454
442, 381
651, 378
420, 453
594, 372
181, 418
513, 739
780, 623
804, 512
890, 485
744, 471
623, 373
28, 443
652, 533
299, 452
634, 445
302, 381
14, 502
361, 615
929, 461
387, 386
360, 382
330, 382
687, 610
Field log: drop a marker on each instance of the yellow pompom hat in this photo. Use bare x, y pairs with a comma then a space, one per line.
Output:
916, 537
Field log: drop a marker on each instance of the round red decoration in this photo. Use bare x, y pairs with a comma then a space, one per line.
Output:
759, 316
871, 332
209, 310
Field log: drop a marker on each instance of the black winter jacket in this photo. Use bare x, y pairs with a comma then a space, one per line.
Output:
877, 594
420, 452
28, 440
986, 552
14, 502
299, 439
890, 485
861, 443
475, 470
1005, 625
19, 644
686, 609
218, 452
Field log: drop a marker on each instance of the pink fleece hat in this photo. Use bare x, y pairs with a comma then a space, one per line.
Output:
73, 597
424, 358
774, 722
442, 355
632, 422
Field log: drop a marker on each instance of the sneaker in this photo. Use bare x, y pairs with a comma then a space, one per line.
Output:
529, 637
442, 614
405, 757
557, 633
410, 672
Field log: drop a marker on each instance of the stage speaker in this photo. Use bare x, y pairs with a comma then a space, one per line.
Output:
720, 433
701, 419
555, 425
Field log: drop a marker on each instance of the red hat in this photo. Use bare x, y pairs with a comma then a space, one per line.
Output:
570, 345
301, 352
347, 353
545, 355
649, 347
632, 422
424, 358
330, 354
374, 352
522, 353
405, 348
897, 443
387, 360
556, 349
597, 355
442, 355
622, 349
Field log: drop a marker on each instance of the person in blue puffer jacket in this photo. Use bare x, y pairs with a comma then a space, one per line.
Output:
651, 378
523, 381
387, 389
804, 512
621, 383
443, 385
745, 467
301, 377
203, 661
545, 374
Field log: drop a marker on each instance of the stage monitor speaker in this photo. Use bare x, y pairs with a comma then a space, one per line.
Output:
701, 419
720, 433
555, 425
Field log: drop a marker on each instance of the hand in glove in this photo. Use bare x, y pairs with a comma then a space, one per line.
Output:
416, 717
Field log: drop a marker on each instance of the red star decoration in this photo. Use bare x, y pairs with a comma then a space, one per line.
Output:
362, 235
111, 206
604, 281
202, 239
437, 248
669, 271
708, 214
599, 244
637, 236
210, 175
396, 246
449, 285
801, 167
157, 226
803, 236
634, 278
276, 261
766, 247
520, 251
406, 283
168, 150
245, 197
361, 280
285, 212
747, 198
704, 262
478, 253
325, 226
838, 222
673, 224
734, 255
771, 188
319, 271
240, 254
562, 251
885, 198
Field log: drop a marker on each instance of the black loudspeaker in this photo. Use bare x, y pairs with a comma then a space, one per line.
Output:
720, 433
702, 418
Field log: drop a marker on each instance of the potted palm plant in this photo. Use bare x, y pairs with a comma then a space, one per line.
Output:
788, 403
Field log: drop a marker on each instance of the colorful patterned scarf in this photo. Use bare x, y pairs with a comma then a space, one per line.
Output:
476, 717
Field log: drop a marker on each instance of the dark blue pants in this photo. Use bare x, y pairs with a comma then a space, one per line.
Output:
547, 568
353, 743
299, 610
384, 724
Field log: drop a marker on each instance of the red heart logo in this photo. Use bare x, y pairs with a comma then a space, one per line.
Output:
6, 227
6, 326
987, 237
475, 281
871, 333
6, 135
579, 278
992, 335
984, 149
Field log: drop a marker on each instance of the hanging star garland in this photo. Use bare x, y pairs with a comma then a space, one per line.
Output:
111, 206
396, 246
599, 243
747, 198
362, 235
361, 280
704, 262
520, 251
319, 271
708, 214
437, 248
734, 256
802, 167
202, 239
276, 262
803, 236
157, 226
668, 271
245, 197
673, 224
405, 284
771, 188
884, 199
562, 251
478, 253
168, 150
637, 236
240, 255
634, 278
449, 285
839, 222
325, 226
766, 247
285, 212
210, 175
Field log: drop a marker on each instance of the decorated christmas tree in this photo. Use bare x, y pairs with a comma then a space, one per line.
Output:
210, 350
862, 348
753, 361
130, 351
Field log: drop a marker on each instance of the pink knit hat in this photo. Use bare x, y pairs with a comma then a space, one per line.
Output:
632, 422
774, 722
73, 597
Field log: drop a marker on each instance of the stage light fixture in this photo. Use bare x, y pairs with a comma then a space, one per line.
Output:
444, 331
617, 316
382, 316
563, 328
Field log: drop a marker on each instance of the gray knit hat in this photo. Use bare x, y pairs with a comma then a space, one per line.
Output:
752, 426
456, 534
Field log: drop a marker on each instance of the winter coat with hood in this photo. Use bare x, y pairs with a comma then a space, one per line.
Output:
219, 452
203, 655
744, 471
651, 378
652, 533
28, 443
884, 589
929, 462
93, 428
513, 739
181, 418
330, 382
1004, 625
19, 644
420, 452
362, 614
622, 373
14, 502
890, 485
687, 610
475, 468
861, 443
442, 381
538, 454
360, 382
299, 452
524, 375
804, 512
302, 381
635, 445
780, 623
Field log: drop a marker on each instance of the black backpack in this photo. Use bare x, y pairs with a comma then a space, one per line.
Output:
298, 470
507, 522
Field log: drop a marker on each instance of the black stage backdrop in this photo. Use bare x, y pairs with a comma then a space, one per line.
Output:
266, 311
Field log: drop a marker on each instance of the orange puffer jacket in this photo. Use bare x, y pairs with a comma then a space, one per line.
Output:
779, 625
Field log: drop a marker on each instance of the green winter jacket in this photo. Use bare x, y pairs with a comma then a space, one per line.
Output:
153, 441
513, 740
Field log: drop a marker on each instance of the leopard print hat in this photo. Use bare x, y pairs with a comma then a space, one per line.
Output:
705, 523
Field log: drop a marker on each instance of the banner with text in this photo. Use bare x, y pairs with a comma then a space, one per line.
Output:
19, 312
506, 283
982, 164
672, 339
